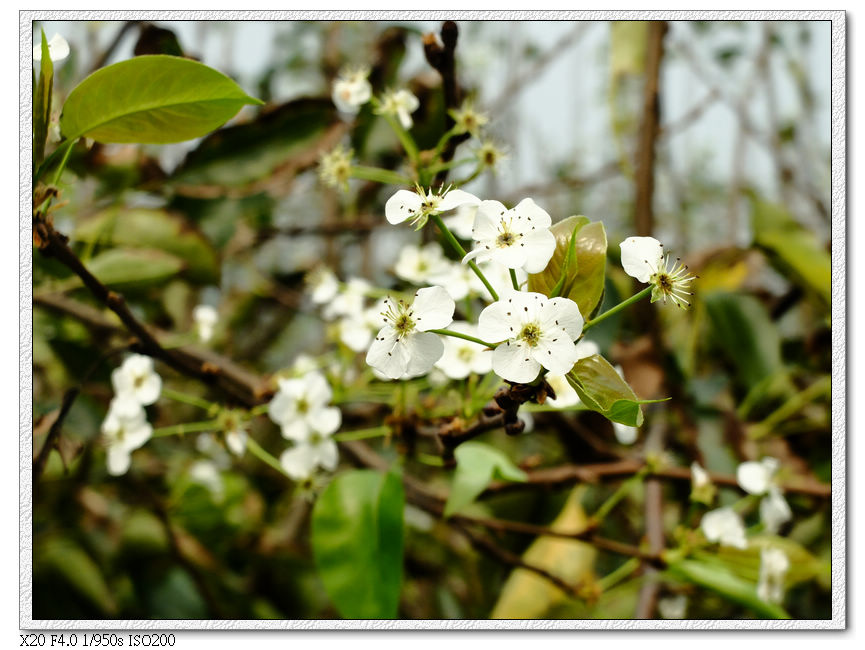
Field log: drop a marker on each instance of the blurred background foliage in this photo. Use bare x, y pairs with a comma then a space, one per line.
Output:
235, 220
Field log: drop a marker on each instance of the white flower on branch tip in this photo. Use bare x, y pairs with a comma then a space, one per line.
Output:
405, 346
322, 285
401, 103
58, 49
535, 332
301, 405
643, 258
565, 393
205, 318
136, 377
352, 89
334, 167
416, 207
518, 238
462, 357
724, 525
758, 478
124, 429
774, 565
318, 449
419, 265
349, 299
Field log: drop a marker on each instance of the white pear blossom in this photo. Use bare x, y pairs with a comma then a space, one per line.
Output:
725, 526
205, 318
462, 357
349, 300
401, 103
518, 238
458, 279
352, 89
301, 405
758, 478
334, 167
643, 258
136, 377
565, 394
124, 430
317, 449
468, 119
416, 207
419, 265
58, 49
534, 331
462, 221
774, 565
235, 440
405, 346
322, 285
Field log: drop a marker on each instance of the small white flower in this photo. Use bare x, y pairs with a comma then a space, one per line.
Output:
349, 301
236, 441
419, 264
136, 377
300, 406
725, 526
518, 238
624, 434
758, 478
673, 607
416, 207
334, 167
462, 357
468, 119
400, 103
565, 393
124, 429
354, 332
535, 332
774, 565
322, 285
643, 258
58, 49
206, 473
318, 449
352, 89
405, 346
205, 318
699, 476
462, 222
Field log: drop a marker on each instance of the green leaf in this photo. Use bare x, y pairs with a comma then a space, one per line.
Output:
628, 40
743, 330
357, 542
746, 562
157, 229
151, 99
717, 577
477, 465
133, 266
77, 568
584, 273
42, 103
602, 389
794, 250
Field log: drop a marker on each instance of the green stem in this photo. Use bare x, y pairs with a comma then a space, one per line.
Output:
258, 451
514, 280
435, 169
615, 577
405, 138
362, 434
615, 310
444, 140
187, 427
62, 166
466, 337
261, 409
429, 459
177, 396
462, 253
618, 495
379, 175
470, 178
789, 408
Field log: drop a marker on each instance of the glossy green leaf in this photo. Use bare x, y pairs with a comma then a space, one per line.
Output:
357, 542
477, 465
78, 569
157, 229
133, 266
795, 250
715, 575
151, 99
743, 330
602, 389
584, 276
42, 103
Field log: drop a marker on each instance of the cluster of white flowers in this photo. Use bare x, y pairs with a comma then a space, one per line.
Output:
758, 478
301, 409
125, 427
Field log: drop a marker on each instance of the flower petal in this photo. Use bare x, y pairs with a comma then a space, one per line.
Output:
563, 313
497, 322
326, 454
433, 308
530, 214
387, 354
641, 257
456, 198
401, 206
538, 246
325, 421
118, 460
753, 477
513, 362
424, 349
298, 462
557, 353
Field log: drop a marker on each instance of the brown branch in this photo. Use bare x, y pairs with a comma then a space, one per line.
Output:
53, 433
102, 59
